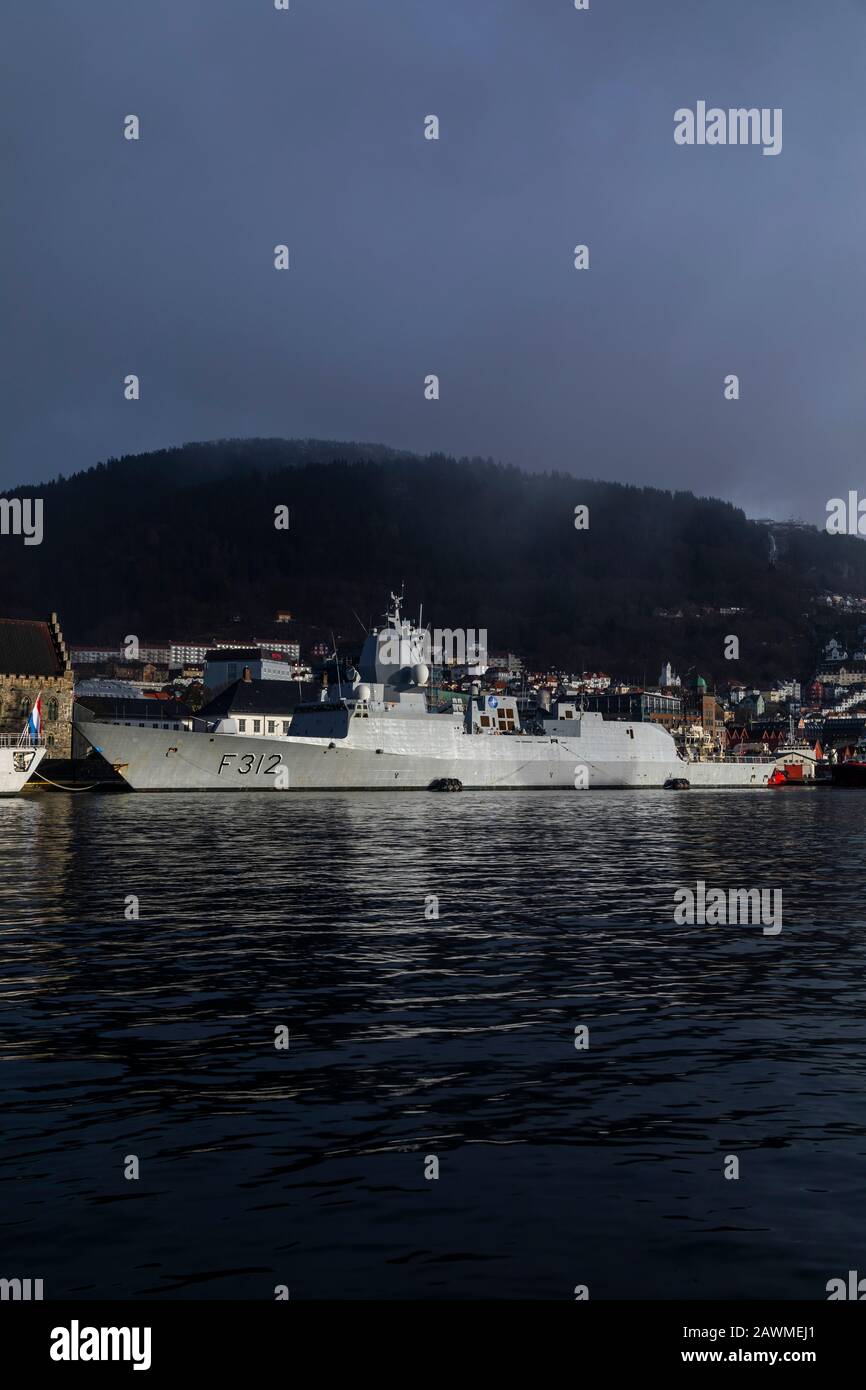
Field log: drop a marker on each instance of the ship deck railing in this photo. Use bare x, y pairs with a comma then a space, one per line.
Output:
16, 741
735, 758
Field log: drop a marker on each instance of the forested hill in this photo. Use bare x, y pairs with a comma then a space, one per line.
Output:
182, 543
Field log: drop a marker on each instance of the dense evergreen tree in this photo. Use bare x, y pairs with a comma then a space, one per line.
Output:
182, 543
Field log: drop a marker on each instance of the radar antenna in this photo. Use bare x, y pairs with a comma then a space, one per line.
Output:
396, 602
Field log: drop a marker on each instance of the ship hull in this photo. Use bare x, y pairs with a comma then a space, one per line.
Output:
181, 760
17, 766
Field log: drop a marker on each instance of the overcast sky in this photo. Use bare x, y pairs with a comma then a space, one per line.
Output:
454, 257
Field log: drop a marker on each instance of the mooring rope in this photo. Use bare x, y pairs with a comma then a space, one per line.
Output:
60, 786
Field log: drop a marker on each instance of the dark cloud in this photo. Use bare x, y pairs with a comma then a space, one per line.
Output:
454, 257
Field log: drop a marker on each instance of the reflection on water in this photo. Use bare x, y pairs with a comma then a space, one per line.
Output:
412, 1037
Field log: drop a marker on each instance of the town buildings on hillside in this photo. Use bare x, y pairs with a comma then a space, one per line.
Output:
260, 683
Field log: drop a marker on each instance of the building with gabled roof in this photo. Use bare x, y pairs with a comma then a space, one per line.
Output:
34, 660
260, 706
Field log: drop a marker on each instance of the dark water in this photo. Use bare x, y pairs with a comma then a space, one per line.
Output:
413, 1037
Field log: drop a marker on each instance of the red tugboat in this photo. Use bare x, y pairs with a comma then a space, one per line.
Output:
778, 778
851, 772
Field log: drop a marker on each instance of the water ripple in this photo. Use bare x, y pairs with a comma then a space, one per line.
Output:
451, 1037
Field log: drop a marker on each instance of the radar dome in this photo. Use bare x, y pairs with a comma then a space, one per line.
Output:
362, 692
420, 673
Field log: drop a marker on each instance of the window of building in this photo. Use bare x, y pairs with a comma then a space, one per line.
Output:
286, 723
242, 726
485, 721
52, 709
257, 726
271, 726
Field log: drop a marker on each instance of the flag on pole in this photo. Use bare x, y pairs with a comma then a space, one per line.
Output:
34, 723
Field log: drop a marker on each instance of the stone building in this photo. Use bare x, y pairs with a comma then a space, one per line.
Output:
701, 707
34, 660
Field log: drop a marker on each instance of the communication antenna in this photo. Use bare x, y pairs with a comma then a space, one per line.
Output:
337, 662
396, 600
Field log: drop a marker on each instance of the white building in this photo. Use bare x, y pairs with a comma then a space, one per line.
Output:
186, 654
180, 654
223, 665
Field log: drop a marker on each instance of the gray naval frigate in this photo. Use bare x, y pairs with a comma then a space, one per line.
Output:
376, 732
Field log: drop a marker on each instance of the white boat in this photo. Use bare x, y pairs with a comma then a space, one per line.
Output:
18, 762
377, 733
